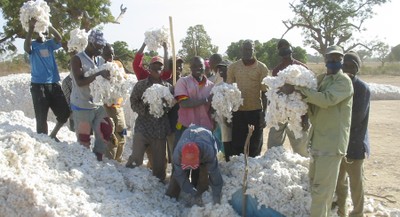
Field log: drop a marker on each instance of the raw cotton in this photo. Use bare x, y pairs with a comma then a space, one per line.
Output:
289, 108
38, 10
78, 40
109, 91
226, 99
155, 38
158, 97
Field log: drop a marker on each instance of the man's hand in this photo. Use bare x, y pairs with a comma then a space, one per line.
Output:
105, 74
32, 23
216, 199
305, 124
263, 123
286, 89
195, 200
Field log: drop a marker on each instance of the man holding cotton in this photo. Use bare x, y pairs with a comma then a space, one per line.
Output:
195, 149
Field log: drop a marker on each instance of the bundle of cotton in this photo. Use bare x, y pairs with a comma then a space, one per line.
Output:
288, 108
155, 38
278, 180
40, 177
159, 98
38, 10
384, 92
226, 99
78, 40
109, 91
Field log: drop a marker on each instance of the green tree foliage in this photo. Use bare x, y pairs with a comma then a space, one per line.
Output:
122, 53
395, 53
66, 15
197, 43
326, 22
265, 52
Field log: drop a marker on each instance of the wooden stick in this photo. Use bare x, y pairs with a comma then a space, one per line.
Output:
246, 168
171, 29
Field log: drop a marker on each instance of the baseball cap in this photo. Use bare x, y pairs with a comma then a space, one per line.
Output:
157, 59
190, 156
334, 49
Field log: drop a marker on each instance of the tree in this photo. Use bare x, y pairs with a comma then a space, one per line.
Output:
266, 52
381, 52
364, 54
197, 43
325, 22
66, 15
122, 52
395, 53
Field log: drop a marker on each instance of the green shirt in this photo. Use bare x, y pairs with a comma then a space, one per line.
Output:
330, 114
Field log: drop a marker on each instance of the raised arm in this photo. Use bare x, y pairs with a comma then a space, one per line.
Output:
28, 39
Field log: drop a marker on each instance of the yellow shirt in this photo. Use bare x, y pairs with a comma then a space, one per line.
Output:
248, 79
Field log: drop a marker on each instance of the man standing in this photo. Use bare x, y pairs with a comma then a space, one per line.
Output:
276, 137
196, 149
330, 116
248, 73
45, 88
87, 115
352, 167
116, 113
149, 131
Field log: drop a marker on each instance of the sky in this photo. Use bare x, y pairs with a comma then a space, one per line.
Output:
227, 21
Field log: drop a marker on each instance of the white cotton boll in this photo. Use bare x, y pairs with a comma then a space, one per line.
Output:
154, 38
106, 91
38, 10
284, 108
155, 97
78, 40
226, 99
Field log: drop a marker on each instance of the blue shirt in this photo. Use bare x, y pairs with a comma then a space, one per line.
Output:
43, 63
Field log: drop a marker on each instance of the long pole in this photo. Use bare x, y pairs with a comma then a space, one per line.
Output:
171, 29
246, 169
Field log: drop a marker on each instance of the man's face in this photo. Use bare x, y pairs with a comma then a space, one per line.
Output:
197, 68
108, 54
349, 67
247, 51
156, 69
97, 48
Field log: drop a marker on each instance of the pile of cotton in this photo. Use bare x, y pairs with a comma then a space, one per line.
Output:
38, 10
226, 99
78, 40
155, 38
289, 108
109, 91
159, 98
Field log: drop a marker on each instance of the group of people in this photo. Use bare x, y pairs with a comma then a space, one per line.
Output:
189, 137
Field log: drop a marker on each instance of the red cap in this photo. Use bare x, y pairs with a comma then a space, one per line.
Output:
157, 59
190, 156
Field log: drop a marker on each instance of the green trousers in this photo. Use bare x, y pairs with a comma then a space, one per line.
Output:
323, 173
351, 171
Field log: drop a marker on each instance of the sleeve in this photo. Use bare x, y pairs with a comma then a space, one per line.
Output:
53, 45
334, 94
137, 103
230, 77
264, 73
361, 102
166, 75
137, 65
181, 90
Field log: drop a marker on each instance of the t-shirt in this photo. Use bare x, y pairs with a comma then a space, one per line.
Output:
43, 63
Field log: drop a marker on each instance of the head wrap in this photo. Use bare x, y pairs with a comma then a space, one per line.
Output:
96, 37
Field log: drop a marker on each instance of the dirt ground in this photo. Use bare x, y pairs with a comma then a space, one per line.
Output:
382, 173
